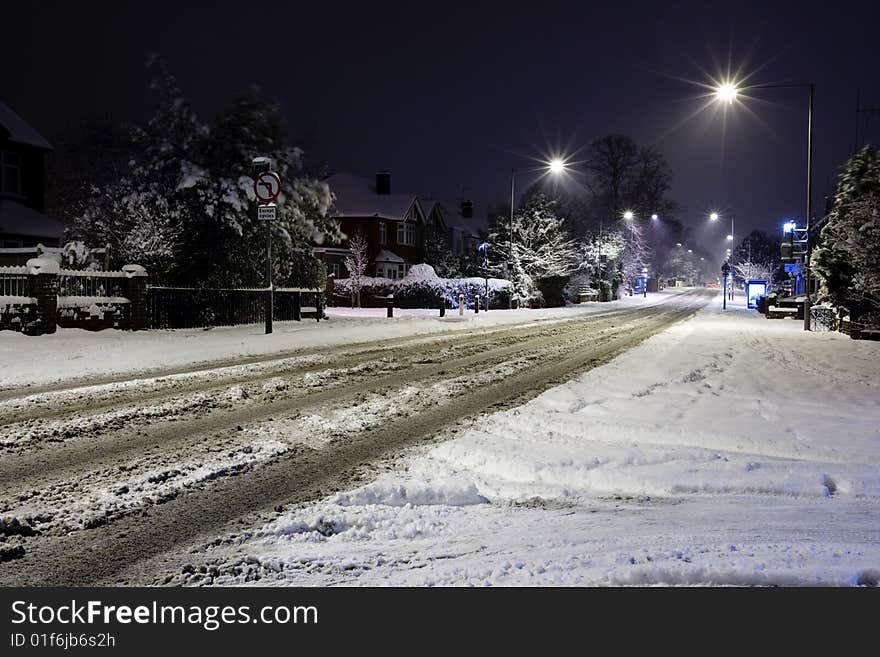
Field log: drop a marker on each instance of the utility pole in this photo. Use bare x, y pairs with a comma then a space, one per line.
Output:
808, 262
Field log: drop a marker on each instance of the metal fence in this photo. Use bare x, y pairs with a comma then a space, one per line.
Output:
14, 282
185, 307
77, 283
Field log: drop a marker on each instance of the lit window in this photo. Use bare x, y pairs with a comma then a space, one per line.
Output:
383, 236
10, 173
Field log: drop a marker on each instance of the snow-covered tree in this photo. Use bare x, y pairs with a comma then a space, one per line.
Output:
748, 270
438, 252
186, 208
636, 254
599, 259
357, 264
847, 259
681, 265
542, 247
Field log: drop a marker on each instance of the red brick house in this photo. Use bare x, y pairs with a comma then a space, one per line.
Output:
23, 153
393, 224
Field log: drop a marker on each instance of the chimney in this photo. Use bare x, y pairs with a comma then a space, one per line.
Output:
383, 182
467, 209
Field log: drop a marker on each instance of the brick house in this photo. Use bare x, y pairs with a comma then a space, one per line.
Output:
23, 153
394, 225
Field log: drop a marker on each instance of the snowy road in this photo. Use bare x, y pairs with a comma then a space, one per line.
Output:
114, 480
725, 450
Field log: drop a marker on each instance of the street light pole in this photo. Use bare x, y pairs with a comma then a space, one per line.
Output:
727, 92
807, 262
510, 253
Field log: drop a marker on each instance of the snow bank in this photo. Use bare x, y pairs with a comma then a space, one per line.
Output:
70, 353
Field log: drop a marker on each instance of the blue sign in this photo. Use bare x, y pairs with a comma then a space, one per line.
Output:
755, 289
483, 250
792, 268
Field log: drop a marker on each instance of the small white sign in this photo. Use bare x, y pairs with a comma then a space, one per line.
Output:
266, 212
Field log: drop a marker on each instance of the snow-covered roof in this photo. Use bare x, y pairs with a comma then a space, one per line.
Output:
18, 219
387, 256
18, 129
474, 225
356, 197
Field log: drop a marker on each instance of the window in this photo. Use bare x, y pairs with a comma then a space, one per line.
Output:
392, 273
406, 233
10, 173
334, 269
383, 232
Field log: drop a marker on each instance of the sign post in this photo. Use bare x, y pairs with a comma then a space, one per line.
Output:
725, 270
267, 187
483, 249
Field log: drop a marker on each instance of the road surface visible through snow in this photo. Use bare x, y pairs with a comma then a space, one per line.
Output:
116, 477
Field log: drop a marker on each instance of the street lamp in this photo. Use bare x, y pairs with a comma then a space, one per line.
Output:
727, 92
556, 166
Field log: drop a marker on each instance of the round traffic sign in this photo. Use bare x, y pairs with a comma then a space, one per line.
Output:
267, 186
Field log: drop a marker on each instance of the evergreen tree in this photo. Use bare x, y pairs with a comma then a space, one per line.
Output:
186, 208
847, 259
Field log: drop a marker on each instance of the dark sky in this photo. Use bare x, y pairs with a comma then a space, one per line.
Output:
450, 96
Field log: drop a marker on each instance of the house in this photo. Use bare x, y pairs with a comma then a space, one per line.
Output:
23, 153
394, 225
463, 227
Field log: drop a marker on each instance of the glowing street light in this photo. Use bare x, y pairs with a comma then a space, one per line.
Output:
628, 215
654, 216
713, 216
730, 238
557, 166
726, 93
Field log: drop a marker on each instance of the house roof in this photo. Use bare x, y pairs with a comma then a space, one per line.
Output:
18, 129
474, 225
18, 219
356, 197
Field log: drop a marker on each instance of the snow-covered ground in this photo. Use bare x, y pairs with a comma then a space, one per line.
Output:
75, 353
728, 449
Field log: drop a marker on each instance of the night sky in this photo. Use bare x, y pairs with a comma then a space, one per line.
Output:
449, 97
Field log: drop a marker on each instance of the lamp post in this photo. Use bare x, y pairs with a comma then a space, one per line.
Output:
555, 166
727, 93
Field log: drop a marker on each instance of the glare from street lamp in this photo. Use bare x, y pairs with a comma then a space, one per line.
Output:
690, 250
726, 92
714, 216
730, 237
628, 215
654, 216
557, 166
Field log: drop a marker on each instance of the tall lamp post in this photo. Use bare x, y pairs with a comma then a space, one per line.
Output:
727, 93
555, 166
